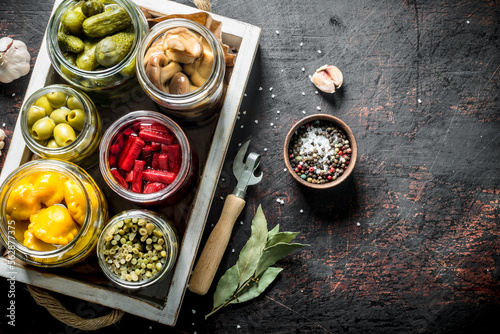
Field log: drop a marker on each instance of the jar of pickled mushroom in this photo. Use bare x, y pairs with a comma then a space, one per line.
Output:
93, 44
146, 158
61, 122
51, 213
138, 248
181, 67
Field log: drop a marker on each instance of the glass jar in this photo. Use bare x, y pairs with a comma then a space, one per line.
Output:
158, 244
107, 85
83, 150
82, 198
109, 162
200, 105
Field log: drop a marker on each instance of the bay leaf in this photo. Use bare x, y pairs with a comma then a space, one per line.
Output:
254, 288
273, 231
273, 254
284, 237
226, 287
251, 252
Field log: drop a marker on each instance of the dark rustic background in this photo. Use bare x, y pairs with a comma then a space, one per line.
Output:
412, 243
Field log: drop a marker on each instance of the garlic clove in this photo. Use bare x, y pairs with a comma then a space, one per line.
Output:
327, 78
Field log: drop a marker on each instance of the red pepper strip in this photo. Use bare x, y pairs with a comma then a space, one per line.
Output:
156, 137
174, 157
128, 132
129, 142
155, 163
159, 176
152, 187
163, 162
137, 176
119, 178
153, 127
132, 154
130, 176
147, 150
155, 146
112, 160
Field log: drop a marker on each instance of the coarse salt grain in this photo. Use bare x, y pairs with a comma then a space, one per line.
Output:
319, 51
303, 93
271, 89
277, 32
316, 92
193, 310
244, 112
245, 94
242, 126
241, 222
260, 88
13, 94
301, 44
277, 111
273, 96
284, 169
301, 211
265, 149
358, 223
256, 121
271, 124
419, 101
318, 108
303, 69
304, 112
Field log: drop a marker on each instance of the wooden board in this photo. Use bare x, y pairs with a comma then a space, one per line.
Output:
162, 301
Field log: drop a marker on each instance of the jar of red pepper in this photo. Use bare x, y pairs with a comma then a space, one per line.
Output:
146, 158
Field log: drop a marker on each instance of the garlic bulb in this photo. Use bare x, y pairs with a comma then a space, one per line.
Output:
327, 78
14, 59
2, 143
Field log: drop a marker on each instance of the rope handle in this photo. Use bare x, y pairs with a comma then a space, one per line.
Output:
54, 306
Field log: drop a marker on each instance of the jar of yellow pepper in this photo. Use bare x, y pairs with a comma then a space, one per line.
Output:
51, 213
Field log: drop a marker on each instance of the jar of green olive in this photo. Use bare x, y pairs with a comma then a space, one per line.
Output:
92, 45
61, 122
137, 248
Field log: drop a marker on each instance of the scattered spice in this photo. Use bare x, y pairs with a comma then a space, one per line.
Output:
319, 152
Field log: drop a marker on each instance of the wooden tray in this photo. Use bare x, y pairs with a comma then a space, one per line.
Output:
162, 301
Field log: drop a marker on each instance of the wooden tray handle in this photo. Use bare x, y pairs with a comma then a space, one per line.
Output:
210, 258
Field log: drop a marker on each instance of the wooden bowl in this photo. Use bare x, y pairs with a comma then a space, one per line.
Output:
335, 122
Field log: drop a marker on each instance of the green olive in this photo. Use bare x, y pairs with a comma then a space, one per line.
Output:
43, 128
76, 119
64, 134
74, 103
34, 114
52, 144
44, 103
60, 115
57, 99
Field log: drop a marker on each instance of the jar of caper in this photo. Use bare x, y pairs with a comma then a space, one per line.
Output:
60, 122
137, 248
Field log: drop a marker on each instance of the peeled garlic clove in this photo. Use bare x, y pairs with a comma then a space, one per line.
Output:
327, 78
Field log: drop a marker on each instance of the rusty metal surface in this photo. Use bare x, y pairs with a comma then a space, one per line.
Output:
411, 244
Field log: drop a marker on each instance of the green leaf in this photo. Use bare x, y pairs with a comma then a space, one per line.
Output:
273, 254
284, 237
273, 231
250, 253
255, 288
226, 287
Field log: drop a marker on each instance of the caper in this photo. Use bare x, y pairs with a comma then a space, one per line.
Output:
43, 128
60, 115
52, 144
44, 103
34, 114
57, 99
74, 103
64, 134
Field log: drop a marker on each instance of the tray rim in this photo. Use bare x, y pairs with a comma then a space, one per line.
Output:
168, 314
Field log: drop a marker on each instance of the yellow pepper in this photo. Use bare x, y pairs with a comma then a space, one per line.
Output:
23, 200
32, 242
49, 187
75, 200
53, 225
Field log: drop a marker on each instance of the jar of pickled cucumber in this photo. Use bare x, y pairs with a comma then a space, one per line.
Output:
92, 44
51, 213
61, 122
138, 248
181, 67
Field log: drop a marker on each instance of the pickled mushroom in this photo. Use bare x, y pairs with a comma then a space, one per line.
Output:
179, 84
182, 45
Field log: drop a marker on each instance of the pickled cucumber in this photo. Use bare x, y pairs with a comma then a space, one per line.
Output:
86, 60
112, 20
72, 22
70, 43
92, 7
112, 49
